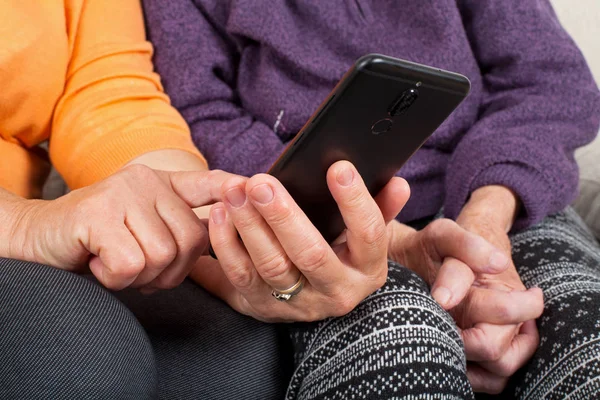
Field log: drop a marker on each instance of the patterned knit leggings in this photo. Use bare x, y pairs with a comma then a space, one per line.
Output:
400, 344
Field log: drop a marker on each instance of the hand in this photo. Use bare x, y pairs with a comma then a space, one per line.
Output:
278, 244
136, 228
498, 315
446, 256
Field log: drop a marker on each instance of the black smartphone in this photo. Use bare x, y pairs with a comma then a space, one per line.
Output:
379, 114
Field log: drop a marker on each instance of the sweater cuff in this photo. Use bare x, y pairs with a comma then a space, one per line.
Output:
526, 182
103, 159
517, 164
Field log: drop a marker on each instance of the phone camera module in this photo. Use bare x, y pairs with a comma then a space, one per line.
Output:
403, 102
382, 126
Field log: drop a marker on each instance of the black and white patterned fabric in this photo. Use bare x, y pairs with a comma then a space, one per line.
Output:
399, 344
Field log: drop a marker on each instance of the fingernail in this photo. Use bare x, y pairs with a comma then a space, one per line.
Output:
345, 177
442, 296
262, 193
498, 260
236, 197
218, 215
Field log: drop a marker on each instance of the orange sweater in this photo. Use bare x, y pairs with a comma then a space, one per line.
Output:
78, 72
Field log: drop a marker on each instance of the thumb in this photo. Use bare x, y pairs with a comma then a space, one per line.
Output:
196, 188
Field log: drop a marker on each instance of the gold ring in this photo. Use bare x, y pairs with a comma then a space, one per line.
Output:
287, 294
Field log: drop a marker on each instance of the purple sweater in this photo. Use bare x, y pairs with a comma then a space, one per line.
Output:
247, 74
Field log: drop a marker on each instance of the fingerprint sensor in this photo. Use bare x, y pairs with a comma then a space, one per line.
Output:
381, 126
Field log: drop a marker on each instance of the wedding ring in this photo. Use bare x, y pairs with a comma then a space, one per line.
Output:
287, 294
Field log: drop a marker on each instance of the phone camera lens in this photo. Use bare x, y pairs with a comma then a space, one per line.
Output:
403, 102
382, 126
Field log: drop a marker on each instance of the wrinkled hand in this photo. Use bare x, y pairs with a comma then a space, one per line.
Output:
498, 315
135, 228
279, 243
446, 256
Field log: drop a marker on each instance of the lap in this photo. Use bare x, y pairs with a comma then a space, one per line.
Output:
62, 336
206, 350
398, 339
561, 256
398, 342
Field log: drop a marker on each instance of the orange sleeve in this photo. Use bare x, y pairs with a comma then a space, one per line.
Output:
21, 171
113, 108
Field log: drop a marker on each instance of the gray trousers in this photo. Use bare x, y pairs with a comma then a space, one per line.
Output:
62, 336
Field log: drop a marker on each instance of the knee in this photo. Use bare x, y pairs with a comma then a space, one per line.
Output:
64, 335
404, 308
400, 333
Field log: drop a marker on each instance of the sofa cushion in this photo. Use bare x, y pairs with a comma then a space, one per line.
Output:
588, 202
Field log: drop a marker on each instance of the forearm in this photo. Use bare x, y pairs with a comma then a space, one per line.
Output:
538, 106
113, 108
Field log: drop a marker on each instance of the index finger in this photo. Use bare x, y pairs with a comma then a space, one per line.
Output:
503, 308
448, 239
196, 188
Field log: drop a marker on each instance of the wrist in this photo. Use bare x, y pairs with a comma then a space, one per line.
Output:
498, 205
399, 236
17, 232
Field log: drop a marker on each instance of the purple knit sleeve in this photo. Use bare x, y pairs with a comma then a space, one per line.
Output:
198, 69
540, 103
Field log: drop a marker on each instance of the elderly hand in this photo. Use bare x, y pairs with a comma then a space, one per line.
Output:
498, 314
279, 245
135, 228
446, 256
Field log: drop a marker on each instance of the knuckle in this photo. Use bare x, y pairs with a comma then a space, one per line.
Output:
216, 174
112, 284
247, 223
374, 232
440, 228
227, 182
314, 257
506, 367
193, 239
162, 253
217, 177
274, 266
504, 312
129, 267
280, 214
240, 277
491, 352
